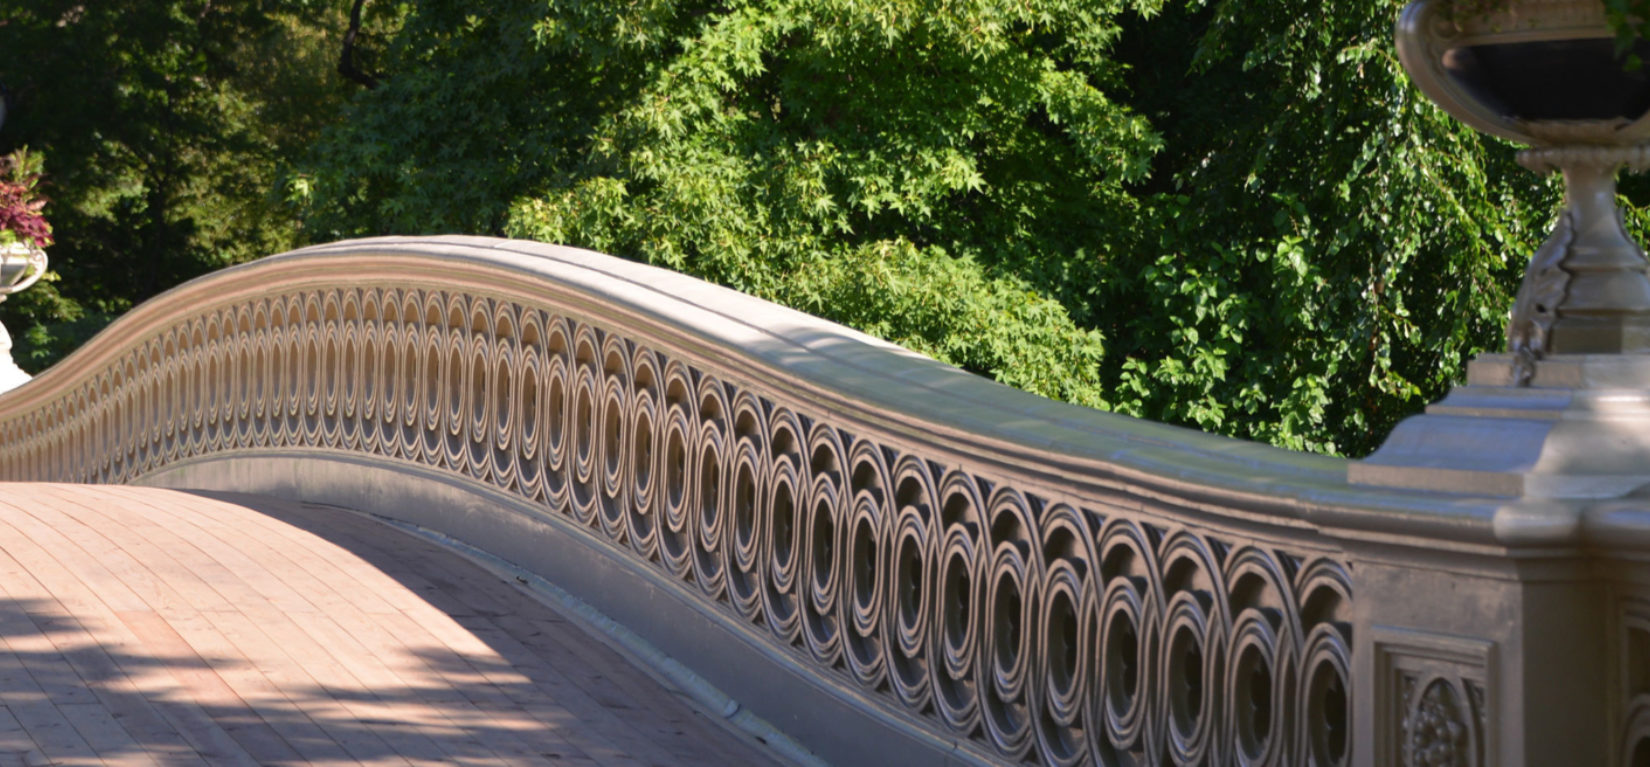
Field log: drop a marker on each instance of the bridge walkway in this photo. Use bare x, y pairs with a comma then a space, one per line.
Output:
147, 626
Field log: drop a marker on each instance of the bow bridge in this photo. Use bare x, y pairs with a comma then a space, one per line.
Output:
849, 551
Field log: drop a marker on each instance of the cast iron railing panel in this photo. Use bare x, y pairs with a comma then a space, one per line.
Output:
967, 590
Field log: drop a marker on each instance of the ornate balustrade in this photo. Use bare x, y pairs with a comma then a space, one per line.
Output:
891, 560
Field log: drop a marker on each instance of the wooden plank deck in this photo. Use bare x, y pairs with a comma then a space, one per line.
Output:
143, 626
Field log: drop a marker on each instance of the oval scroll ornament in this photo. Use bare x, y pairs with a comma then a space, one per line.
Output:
863, 525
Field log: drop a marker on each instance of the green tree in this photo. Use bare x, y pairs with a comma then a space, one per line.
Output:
1236, 216
1272, 234
1331, 247
948, 175
162, 122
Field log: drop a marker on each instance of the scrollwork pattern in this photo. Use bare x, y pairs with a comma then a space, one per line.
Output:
1059, 630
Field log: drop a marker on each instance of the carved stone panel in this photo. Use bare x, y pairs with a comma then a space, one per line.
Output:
1633, 667
1432, 699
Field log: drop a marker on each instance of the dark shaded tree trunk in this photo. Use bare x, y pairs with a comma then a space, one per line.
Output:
346, 59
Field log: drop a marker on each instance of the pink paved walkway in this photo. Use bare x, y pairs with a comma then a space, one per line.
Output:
143, 626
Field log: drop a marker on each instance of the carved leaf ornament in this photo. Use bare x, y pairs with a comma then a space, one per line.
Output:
1539, 296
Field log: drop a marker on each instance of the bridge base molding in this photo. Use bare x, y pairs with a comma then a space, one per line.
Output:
831, 719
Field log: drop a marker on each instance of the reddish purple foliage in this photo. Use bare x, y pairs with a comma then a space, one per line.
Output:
20, 214
20, 203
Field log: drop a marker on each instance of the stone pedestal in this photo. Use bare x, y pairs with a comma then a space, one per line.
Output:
11, 376
1579, 429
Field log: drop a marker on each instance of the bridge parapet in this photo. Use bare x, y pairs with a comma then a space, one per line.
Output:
892, 560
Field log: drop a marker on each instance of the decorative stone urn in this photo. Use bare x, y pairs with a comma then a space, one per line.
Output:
1564, 412
1546, 73
20, 266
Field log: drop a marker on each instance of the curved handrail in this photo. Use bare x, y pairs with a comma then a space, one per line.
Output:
836, 365
989, 570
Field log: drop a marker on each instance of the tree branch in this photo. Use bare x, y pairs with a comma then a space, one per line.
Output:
346, 60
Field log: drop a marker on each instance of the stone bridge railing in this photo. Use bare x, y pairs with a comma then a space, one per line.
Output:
893, 561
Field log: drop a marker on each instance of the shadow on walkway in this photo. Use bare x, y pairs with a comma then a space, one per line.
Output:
144, 626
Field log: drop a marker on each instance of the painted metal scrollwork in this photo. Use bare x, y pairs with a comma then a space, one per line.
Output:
1040, 627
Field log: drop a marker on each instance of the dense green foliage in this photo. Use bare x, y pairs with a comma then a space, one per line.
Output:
1233, 215
161, 123
947, 178
1331, 247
